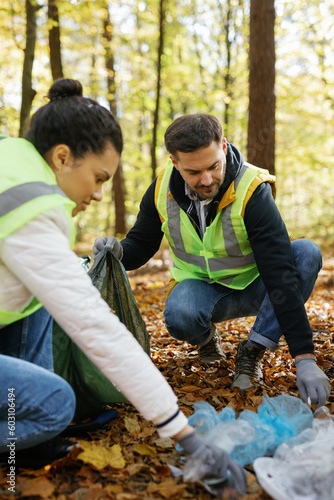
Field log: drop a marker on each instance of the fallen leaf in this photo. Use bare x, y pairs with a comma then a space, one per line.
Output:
132, 424
145, 449
164, 443
113, 488
163, 470
38, 487
256, 400
99, 456
167, 489
189, 388
126, 496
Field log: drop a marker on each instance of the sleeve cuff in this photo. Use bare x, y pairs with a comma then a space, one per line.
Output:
172, 425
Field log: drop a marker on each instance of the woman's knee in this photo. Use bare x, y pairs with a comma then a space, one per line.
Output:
53, 407
67, 412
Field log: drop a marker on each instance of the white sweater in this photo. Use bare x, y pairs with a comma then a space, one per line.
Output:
36, 261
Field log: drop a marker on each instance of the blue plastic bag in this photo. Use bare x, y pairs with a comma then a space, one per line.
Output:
206, 417
253, 434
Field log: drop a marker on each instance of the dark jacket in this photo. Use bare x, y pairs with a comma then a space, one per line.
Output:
268, 238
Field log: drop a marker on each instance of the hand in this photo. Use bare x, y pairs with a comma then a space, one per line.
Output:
112, 242
312, 382
207, 460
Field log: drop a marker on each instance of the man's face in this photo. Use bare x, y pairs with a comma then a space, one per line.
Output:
204, 169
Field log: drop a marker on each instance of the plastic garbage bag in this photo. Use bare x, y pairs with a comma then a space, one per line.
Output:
303, 467
92, 389
206, 417
253, 434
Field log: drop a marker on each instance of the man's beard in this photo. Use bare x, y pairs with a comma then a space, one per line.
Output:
198, 191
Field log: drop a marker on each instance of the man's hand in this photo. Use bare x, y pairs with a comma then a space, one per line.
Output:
207, 460
312, 382
112, 242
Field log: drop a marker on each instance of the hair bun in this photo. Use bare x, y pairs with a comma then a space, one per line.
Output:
63, 88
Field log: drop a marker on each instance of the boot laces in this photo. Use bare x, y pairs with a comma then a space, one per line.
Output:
248, 361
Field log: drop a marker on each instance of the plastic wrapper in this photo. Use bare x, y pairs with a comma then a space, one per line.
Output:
303, 467
92, 389
253, 435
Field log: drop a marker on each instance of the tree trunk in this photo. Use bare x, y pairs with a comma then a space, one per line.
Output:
118, 184
54, 41
262, 100
28, 93
162, 14
227, 77
225, 21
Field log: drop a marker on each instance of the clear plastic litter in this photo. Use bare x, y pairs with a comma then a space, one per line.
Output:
217, 487
252, 435
302, 468
85, 262
323, 412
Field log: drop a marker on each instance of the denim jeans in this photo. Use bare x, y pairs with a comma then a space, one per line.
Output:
193, 304
41, 402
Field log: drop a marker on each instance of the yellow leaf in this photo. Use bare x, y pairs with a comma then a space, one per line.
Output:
131, 424
99, 456
145, 449
156, 284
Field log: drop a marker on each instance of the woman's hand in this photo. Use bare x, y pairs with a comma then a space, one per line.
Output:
205, 460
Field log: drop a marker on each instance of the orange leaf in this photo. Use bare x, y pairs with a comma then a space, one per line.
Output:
38, 487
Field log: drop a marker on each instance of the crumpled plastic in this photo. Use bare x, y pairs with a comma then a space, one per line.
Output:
252, 435
303, 467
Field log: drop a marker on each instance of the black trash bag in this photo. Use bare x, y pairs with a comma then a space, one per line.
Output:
92, 389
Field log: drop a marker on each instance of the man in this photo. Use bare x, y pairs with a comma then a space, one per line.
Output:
231, 251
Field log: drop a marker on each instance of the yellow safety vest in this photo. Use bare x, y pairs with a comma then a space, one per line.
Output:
28, 187
224, 255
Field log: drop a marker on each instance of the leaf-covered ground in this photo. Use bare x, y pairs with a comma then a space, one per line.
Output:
126, 460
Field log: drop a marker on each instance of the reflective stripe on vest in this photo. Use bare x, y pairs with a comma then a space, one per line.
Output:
18, 195
224, 255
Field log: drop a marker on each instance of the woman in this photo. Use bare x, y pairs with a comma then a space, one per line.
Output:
73, 146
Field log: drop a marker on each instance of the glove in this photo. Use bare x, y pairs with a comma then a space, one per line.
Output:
112, 242
207, 460
312, 382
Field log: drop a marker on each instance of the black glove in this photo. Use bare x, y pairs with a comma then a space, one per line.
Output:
312, 382
112, 242
205, 460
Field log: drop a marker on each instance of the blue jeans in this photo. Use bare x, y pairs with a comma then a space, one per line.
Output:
41, 402
193, 304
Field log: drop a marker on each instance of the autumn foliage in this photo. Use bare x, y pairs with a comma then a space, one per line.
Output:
126, 460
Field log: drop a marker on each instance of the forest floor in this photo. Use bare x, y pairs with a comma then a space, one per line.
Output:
139, 458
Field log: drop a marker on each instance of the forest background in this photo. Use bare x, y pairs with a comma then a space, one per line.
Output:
265, 69
151, 61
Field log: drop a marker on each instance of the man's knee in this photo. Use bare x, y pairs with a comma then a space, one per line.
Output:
308, 254
176, 320
179, 312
